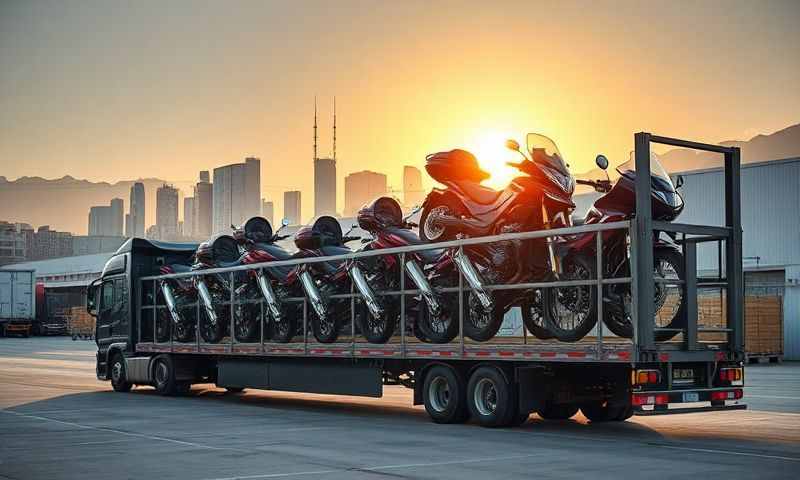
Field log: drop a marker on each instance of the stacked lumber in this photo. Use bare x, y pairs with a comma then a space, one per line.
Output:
80, 321
763, 321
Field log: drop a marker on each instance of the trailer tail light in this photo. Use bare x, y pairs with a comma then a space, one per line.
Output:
639, 399
730, 374
726, 395
645, 377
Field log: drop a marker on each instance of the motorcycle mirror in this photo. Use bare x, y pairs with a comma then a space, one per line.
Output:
601, 161
679, 181
512, 144
285, 222
414, 210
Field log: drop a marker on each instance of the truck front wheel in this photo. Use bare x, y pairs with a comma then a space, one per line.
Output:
119, 379
444, 395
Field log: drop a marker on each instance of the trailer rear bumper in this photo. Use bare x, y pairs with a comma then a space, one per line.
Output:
672, 411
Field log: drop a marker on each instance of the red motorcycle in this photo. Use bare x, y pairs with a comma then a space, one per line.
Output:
573, 310
214, 289
377, 315
257, 242
540, 199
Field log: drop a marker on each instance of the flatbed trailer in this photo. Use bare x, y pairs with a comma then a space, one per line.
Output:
499, 382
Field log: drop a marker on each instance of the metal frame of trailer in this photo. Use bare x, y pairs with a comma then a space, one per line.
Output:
537, 372
641, 348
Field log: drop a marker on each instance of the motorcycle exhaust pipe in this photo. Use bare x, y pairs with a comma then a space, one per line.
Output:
269, 295
314, 296
473, 278
205, 296
171, 304
421, 281
360, 281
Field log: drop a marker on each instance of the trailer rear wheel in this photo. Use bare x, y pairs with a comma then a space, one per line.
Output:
444, 395
603, 412
164, 376
119, 380
490, 398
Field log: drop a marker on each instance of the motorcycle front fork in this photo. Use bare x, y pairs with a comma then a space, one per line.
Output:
360, 281
205, 296
313, 294
172, 306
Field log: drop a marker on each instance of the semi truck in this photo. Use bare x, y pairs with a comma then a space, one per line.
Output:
499, 382
17, 302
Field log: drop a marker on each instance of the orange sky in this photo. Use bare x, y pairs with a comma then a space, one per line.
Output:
119, 90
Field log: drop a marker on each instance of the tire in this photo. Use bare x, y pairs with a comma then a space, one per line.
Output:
444, 395
602, 412
571, 312
213, 333
284, 331
324, 331
533, 316
119, 379
481, 325
163, 326
490, 398
429, 231
164, 376
444, 328
619, 323
247, 321
184, 332
378, 330
558, 411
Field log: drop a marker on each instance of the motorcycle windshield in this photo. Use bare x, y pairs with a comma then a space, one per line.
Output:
544, 153
660, 178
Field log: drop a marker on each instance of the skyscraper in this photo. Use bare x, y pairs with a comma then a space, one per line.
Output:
291, 207
413, 194
107, 219
203, 206
137, 210
360, 188
189, 217
268, 211
324, 186
236, 193
117, 216
204, 176
167, 212
128, 227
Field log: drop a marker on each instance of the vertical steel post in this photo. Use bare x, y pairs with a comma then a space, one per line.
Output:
461, 306
402, 305
232, 331
690, 292
155, 311
635, 283
643, 267
733, 256
197, 317
262, 320
305, 325
353, 320
139, 312
599, 267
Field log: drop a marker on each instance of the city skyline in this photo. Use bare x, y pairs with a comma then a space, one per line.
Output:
176, 112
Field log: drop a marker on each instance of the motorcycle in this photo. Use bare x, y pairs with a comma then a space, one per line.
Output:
177, 293
618, 203
321, 280
540, 199
377, 316
257, 245
214, 289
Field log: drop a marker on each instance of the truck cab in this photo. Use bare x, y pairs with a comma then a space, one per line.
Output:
109, 297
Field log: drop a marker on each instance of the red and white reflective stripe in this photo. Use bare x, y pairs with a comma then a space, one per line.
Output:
639, 399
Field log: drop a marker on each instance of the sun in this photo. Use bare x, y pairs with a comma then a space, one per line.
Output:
492, 155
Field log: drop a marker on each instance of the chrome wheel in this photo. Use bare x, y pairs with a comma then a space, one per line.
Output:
439, 394
432, 229
485, 397
116, 372
162, 373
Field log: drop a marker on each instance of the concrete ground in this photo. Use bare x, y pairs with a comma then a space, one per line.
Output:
57, 421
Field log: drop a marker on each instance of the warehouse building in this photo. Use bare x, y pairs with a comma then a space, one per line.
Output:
771, 231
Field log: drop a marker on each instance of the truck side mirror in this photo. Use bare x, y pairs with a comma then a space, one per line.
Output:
91, 298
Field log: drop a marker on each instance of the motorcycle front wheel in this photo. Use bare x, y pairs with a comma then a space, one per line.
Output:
481, 324
378, 330
441, 328
571, 312
670, 304
533, 316
210, 331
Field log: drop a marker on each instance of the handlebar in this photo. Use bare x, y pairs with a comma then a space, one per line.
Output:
599, 185
346, 239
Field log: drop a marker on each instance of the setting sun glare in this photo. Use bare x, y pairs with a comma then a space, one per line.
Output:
493, 155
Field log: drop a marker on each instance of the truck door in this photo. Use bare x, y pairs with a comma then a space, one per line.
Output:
112, 317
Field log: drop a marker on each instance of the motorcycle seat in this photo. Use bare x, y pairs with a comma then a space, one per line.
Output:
477, 192
274, 250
